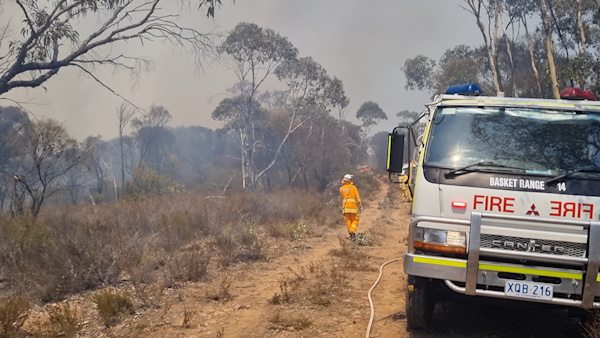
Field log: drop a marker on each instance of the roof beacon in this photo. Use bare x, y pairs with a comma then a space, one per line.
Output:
469, 89
572, 93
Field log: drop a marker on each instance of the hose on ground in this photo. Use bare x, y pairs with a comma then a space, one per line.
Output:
372, 288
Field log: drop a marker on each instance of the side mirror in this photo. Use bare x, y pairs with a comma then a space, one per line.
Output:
395, 156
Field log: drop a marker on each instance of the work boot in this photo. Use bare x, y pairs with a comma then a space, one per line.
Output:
352, 235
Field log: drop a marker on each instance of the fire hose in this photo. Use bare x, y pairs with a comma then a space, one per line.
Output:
372, 288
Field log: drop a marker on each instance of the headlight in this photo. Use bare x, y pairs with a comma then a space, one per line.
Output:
444, 237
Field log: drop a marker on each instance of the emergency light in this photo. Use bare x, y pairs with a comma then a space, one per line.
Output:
470, 89
573, 93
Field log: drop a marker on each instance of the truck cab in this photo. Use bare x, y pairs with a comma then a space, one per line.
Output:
506, 201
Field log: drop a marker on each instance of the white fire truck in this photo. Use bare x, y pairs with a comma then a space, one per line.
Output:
505, 201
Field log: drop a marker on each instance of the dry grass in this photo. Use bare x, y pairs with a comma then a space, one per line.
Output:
112, 305
351, 257
63, 321
320, 283
151, 244
13, 313
289, 320
220, 292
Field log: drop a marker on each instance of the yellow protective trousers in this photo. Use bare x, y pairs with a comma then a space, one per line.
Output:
351, 221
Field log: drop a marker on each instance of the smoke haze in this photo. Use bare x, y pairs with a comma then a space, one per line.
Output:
364, 43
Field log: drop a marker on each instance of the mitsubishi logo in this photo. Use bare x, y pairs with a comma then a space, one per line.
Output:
531, 245
532, 211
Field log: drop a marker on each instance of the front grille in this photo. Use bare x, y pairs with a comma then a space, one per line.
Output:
544, 246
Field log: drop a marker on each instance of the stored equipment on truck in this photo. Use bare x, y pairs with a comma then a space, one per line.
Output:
506, 201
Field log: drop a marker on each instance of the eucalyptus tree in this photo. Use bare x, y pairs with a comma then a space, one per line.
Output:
487, 16
96, 161
312, 95
124, 116
370, 114
47, 154
253, 53
12, 124
153, 138
547, 31
42, 38
419, 73
523, 10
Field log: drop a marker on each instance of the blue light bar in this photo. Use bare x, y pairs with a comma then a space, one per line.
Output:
470, 89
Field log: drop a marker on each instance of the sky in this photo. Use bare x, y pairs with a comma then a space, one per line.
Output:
363, 43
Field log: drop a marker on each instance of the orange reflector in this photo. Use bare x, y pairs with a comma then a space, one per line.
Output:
459, 204
440, 247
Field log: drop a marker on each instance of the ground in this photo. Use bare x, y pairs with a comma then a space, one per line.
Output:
246, 306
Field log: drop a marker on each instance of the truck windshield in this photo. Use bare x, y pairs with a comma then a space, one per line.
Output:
541, 141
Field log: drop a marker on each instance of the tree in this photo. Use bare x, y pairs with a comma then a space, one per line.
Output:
48, 153
253, 54
312, 94
153, 139
95, 161
419, 72
547, 30
52, 37
369, 114
124, 115
12, 124
490, 36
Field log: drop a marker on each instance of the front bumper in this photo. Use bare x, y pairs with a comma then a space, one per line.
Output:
576, 285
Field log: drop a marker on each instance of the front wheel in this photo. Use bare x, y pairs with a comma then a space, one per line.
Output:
419, 303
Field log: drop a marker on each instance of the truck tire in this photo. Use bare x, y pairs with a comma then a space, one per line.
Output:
419, 303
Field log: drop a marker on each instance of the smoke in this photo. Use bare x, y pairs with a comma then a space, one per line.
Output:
364, 43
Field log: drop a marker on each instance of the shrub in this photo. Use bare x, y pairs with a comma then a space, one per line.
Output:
111, 305
63, 321
13, 313
147, 182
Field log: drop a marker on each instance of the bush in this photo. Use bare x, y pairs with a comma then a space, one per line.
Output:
13, 313
63, 321
111, 305
147, 182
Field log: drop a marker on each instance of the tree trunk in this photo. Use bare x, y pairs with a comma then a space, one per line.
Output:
536, 74
510, 58
549, 49
583, 47
476, 10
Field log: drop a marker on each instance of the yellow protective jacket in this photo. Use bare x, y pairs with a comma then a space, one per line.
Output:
350, 198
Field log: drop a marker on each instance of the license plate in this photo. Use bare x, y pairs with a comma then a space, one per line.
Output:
528, 290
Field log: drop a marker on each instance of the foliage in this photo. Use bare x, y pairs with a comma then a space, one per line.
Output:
147, 182
47, 154
419, 72
561, 51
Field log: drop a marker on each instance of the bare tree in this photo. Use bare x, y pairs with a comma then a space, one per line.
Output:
95, 161
124, 115
51, 37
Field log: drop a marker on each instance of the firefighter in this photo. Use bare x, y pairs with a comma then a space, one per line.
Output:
351, 205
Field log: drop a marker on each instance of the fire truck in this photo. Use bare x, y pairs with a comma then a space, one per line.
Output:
506, 201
